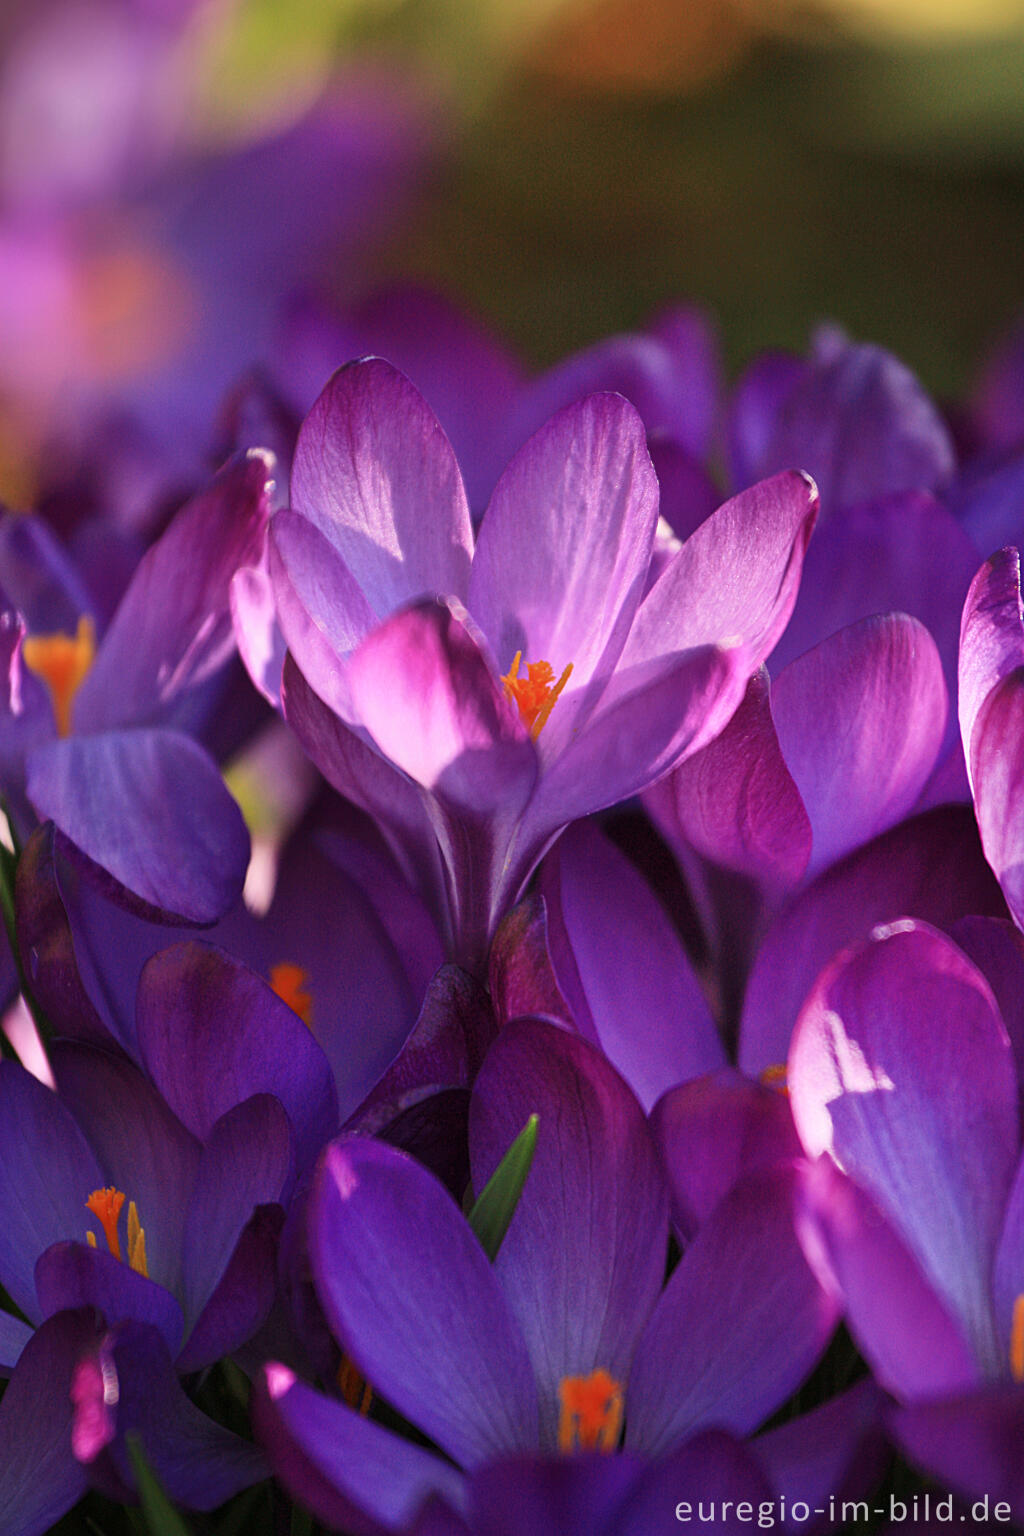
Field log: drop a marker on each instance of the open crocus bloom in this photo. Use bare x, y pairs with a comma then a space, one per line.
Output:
568, 1331
477, 696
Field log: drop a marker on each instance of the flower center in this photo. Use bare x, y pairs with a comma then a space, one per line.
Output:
775, 1077
590, 1418
291, 983
105, 1205
62, 661
1017, 1340
536, 694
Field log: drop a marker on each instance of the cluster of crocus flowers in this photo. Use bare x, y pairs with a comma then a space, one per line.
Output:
631, 991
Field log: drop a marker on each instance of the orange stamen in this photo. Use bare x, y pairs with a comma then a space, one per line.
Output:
62, 661
105, 1205
1017, 1340
291, 983
536, 694
591, 1412
354, 1387
775, 1077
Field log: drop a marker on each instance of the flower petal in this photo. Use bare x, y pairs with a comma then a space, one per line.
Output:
423, 688
39, 1477
47, 1173
861, 424
890, 1031
150, 808
931, 866
410, 1295
583, 1259
712, 1131
351, 1472
246, 1164
912, 1341
635, 738
320, 606
736, 577
742, 1321
735, 801
376, 474
860, 721
172, 629
212, 1033
991, 638
564, 548
641, 1000
969, 1444
75, 1275
903, 554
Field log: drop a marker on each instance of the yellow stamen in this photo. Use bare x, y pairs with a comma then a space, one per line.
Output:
136, 1241
62, 661
591, 1412
354, 1387
1017, 1340
105, 1205
536, 694
775, 1077
291, 983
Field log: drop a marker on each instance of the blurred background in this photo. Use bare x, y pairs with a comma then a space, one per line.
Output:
173, 172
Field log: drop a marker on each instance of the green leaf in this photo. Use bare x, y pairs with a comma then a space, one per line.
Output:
161, 1518
492, 1212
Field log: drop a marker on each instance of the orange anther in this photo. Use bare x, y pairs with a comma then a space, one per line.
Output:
536, 694
291, 983
62, 661
105, 1205
775, 1077
591, 1412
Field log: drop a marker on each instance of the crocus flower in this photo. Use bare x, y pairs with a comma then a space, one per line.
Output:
123, 1206
476, 696
78, 1390
338, 948
922, 1233
569, 1329
94, 736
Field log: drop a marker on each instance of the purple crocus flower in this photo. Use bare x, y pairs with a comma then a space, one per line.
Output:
192, 1254
338, 948
569, 1328
94, 737
78, 1390
902, 1076
477, 699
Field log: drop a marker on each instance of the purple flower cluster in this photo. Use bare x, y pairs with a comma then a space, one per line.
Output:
594, 1093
